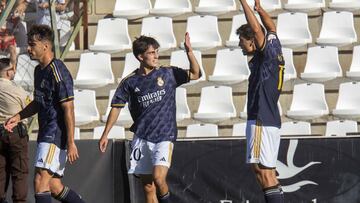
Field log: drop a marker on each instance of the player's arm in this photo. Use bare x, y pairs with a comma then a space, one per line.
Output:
27, 112
254, 24
69, 119
194, 65
112, 118
265, 17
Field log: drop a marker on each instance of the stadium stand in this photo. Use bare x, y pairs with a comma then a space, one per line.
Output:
348, 5
295, 128
131, 64
348, 105
131, 9
171, 8
239, 129
237, 21
354, 72
215, 7
340, 127
202, 130
290, 70
116, 132
182, 107
304, 5
85, 107
124, 116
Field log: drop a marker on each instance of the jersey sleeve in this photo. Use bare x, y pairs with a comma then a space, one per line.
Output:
121, 95
272, 53
64, 85
181, 76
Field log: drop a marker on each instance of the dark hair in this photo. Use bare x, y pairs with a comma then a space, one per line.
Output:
142, 43
246, 32
41, 33
4, 63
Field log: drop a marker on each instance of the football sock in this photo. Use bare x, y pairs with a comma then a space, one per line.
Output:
164, 198
69, 196
274, 194
43, 197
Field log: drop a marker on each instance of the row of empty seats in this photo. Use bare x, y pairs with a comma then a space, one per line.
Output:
132, 9
216, 104
293, 30
231, 66
299, 128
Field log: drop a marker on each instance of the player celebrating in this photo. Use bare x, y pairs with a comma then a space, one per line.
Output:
265, 84
53, 101
150, 91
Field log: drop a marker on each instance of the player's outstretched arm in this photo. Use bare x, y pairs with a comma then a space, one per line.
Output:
254, 24
194, 65
112, 118
27, 112
69, 117
265, 18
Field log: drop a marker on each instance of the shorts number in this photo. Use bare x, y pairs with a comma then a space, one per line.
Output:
136, 154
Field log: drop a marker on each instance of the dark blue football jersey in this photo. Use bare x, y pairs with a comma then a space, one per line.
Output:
53, 85
152, 102
265, 82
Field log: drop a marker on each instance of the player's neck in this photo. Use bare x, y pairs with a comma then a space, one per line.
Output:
144, 70
46, 59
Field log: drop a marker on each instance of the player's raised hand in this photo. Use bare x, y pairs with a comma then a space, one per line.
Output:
12, 122
187, 43
72, 153
103, 143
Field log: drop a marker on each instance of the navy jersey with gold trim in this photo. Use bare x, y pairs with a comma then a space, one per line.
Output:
152, 102
265, 82
53, 85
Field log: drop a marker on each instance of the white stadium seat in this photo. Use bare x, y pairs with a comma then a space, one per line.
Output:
182, 108
94, 71
344, 5
354, 72
165, 35
304, 5
337, 29
179, 59
231, 67
215, 7
239, 129
131, 64
267, 5
216, 104
322, 64
116, 132
237, 21
131, 9
293, 29
308, 102
124, 116
109, 39
340, 128
295, 128
77, 133
203, 31
348, 103
202, 130
85, 107
290, 70
171, 8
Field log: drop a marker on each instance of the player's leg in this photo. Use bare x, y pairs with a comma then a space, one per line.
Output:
262, 150
149, 188
140, 164
63, 193
42, 179
161, 158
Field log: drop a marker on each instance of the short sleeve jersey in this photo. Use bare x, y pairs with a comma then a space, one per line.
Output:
265, 82
152, 102
53, 85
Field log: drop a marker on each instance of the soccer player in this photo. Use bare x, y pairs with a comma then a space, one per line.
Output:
265, 84
53, 101
150, 91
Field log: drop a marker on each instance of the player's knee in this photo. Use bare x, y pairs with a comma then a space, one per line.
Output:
159, 180
55, 189
40, 184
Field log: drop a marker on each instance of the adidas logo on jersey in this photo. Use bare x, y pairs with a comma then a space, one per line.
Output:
137, 89
163, 159
41, 160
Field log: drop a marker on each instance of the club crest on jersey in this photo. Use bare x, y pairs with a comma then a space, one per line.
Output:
160, 81
280, 57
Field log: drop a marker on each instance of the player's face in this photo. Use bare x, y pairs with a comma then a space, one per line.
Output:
150, 58
36, 48
246, 45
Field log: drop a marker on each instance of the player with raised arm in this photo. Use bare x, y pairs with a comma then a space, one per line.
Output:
265, 84
150, 91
